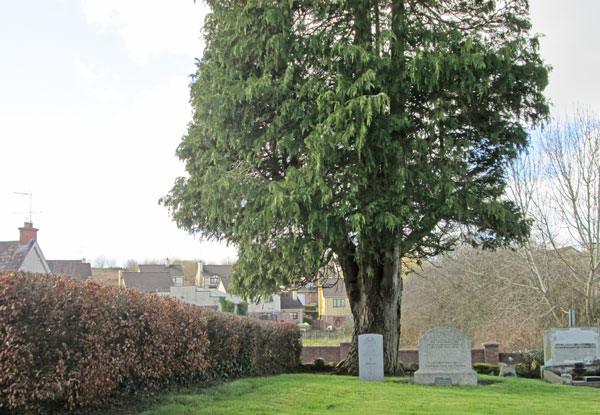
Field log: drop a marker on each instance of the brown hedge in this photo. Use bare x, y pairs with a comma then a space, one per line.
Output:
68, 343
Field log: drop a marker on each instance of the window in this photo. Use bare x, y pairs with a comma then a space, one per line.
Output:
179, 281
341, 302
264, 316
294, 316
214, 280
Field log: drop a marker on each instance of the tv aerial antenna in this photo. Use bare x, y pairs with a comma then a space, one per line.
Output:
31, 211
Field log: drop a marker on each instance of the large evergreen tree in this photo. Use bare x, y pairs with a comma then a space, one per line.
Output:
362, 131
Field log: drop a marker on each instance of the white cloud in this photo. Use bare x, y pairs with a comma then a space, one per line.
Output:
149, 27
84, 74
88, 79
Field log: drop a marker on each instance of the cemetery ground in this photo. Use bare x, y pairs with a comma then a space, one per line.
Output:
314, 394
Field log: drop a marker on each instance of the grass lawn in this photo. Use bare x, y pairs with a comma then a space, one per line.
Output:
320, 394
325, 341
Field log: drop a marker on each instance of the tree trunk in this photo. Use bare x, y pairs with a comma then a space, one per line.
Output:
375, 294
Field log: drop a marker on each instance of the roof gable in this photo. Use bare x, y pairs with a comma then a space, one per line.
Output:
173, 270
289, 303
71, 268
222, 271
334, 287
148, 281
13, 255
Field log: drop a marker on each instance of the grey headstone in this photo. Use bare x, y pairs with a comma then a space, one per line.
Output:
567, 346
370, 357
567, 378
445, 352
507, 371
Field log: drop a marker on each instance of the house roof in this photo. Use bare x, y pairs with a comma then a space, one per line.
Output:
334, 287
11, 257
148, 281
289, 303
190, 270
13, 254
71, 268
222, 271
310, 288
173, 270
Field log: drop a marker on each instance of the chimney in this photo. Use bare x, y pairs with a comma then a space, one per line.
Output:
167, 263
294, 295
28, 232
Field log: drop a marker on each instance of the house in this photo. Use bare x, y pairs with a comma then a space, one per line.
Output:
334, 306
71, 268
309, 294
214, 276
152, 282
291, 308
174, 270
278, 307
202, 297
190, 271
24, 254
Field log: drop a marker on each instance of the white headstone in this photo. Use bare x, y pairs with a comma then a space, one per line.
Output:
445, 358
370, 357
567, 346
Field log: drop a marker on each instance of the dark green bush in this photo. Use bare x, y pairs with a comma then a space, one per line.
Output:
241, 309
226, 305
529, 363
532, 370
486, 369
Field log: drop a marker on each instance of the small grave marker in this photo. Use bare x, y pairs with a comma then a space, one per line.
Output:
370, 357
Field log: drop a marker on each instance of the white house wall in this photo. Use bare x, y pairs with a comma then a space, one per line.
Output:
33, 263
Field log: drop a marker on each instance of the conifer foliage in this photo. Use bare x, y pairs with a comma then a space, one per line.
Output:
361, 131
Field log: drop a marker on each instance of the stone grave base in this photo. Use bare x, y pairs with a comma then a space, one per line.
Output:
468, 377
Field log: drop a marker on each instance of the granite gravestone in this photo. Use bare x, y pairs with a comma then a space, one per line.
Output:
445, 358
567, 346
507, 371
370, 357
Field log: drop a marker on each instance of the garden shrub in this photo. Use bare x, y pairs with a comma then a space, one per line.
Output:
241, 309
68, 343
486, 369
529, 363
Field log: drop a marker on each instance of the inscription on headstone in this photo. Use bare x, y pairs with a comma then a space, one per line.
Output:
443, 382
370, 357
567, 346
445, 352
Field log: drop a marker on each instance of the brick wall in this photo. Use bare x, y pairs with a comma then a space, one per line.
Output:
489, 354
327, 353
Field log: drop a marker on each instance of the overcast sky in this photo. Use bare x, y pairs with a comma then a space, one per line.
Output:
94, 101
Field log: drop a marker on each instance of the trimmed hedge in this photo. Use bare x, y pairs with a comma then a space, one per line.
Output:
69, 343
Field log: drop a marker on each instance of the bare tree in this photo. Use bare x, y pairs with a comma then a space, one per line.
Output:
104, 262
558, 187
487, 294
131, 265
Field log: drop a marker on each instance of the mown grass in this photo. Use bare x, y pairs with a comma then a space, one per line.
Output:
320, 394
325, 341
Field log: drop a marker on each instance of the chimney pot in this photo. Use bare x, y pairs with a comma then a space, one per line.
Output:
28, 232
